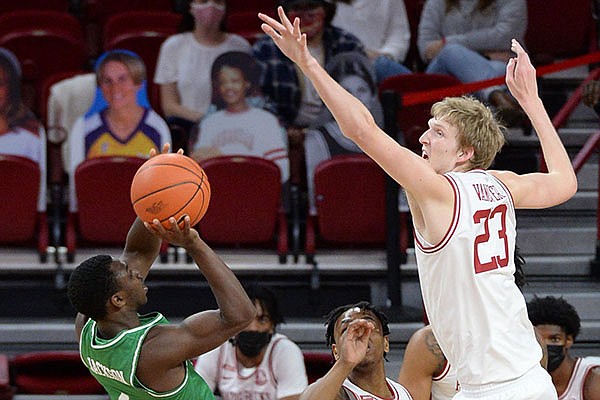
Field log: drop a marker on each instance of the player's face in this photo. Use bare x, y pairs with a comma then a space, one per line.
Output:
117, 85
553, 335
131, 282
312, 19
378, 344
232, 86
440, 145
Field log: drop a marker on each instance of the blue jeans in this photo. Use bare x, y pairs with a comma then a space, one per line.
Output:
468, 66
386, 67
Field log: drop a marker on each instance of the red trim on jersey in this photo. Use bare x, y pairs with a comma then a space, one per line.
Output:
442, 374
562, 396
453, 224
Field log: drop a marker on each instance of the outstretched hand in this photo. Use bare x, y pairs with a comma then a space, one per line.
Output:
287, 36
181, 234
520, 75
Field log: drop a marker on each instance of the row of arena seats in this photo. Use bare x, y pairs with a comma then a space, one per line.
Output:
62, 373
51, 38
345, 185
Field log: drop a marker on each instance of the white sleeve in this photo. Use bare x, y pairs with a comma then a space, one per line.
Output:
289, 369
207, 366
397, 38
166, 65
76, 157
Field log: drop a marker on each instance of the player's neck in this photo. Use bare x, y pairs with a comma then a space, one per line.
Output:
371, 379
562, 375
115, 323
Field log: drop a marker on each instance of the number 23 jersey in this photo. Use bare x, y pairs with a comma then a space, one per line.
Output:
477, 313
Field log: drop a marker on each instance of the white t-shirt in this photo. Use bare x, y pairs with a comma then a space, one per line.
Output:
390, 34
22, 142
280, 374
253, 132
184, 61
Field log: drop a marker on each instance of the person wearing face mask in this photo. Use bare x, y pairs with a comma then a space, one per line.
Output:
184, 65
575, 378
257, 363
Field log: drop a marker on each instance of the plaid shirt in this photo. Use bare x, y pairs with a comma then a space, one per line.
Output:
279, 79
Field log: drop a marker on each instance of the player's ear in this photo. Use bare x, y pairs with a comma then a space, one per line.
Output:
569, 341
386, 344
465, 154
118, 299
334, 351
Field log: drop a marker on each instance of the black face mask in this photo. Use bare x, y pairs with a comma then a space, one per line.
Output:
251, 343
556, 355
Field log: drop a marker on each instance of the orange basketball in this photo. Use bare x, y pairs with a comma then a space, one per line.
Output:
170, 185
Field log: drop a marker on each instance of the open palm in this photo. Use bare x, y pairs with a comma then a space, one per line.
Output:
287, 36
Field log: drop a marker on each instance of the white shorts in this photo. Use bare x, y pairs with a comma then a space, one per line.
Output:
535, 384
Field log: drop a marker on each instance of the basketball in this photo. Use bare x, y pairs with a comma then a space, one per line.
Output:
170, 185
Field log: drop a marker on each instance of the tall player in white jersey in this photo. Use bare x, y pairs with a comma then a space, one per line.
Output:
575, 378
463, 217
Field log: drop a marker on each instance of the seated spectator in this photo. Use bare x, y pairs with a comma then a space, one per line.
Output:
355, 74
292, 95
559, 324
116, 124
386, 41
237, 127
591, 95
470, 40
258, 363
21, 134
185, 61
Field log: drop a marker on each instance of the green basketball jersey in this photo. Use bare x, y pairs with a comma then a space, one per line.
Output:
113, 363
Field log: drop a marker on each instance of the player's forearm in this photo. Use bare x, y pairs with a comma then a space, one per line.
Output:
328, 387
141, 243
236, 308
354, 119
560, 168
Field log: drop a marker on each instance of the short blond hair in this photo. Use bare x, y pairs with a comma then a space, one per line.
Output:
134, 64
477, 127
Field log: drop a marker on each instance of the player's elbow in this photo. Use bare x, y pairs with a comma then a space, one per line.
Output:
243, 316
361, 130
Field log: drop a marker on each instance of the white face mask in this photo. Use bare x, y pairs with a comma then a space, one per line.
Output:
207, 14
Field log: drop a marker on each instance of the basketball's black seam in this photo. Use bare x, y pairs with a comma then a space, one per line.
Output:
189, 169
165, 188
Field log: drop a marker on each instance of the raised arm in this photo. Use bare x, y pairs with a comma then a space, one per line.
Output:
349, 352
559, 184
354, 119
201, 332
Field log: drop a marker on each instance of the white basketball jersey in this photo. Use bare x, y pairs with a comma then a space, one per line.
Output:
399, 392
445, 385
583, 366
477, 313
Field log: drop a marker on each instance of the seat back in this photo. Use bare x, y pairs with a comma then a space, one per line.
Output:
41, 19
350, 200
140, 21
101, 10
55, 5
245, 200
412, 120
264, 6
104, 207
245, 24
19, 191
317, 364
52, 373
572, 32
